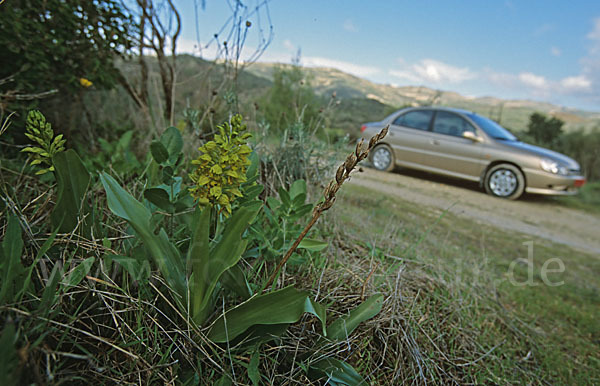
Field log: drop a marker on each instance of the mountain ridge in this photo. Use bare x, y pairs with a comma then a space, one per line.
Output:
513, 113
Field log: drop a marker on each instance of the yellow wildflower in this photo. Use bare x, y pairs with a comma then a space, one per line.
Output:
85, 82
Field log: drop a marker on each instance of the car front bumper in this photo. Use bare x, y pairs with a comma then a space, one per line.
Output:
541, 182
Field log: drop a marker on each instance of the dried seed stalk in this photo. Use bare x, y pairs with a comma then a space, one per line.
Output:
342, 174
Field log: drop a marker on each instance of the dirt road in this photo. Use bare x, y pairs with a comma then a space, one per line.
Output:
537, 216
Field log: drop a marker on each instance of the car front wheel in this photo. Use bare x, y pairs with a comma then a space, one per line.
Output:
505, 181
382, 158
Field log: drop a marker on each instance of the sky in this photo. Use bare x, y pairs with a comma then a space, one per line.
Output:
538, 50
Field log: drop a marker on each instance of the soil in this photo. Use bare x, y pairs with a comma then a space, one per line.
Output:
534, 215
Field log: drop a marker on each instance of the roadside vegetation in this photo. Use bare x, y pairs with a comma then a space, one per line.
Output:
157, 233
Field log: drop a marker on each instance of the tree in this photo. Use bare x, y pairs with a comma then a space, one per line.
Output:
58, 46
290, 100
159, 28
544, 131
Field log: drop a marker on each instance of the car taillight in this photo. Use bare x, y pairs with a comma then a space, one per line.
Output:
579, 183
363, 128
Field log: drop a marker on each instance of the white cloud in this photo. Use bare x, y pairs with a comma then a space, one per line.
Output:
576, 83
533, 80
351, 68
594, 36
349, 26
406, 75
434, 71
555, 51
595, 32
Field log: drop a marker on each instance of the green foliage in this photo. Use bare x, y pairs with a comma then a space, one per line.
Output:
73, 182
210, 262
48, 145
12, 272
580, 145
281, 222
336, 372
283, 306
290, 100
545, 131
201, 254
584, 147
343, 327
115, 155
52, 44
160, 249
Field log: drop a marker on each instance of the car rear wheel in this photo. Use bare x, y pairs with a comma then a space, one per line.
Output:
382, 158
505, 181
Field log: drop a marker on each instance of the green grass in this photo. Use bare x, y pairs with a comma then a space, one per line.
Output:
587, 199
527, 334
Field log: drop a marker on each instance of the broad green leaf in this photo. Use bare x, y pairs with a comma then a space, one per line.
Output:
225, 380
78, 273
260, 334
253, 372
9, 360
199, 255
173, 143
159, 197
313, 245
139, 270
73, 180
343, 327
298, 187
50, 293
208, 267
252, 171
335, 371
286, 305
11, 266
163, 252
252, 192
159, 152
235, 280
284, 196
167, 175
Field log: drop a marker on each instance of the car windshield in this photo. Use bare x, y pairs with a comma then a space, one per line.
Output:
493, 129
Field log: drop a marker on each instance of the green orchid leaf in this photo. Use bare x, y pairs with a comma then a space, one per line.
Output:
343, 327
163, 252
335, 372
73, 180
313, 245
286, 305
209, 267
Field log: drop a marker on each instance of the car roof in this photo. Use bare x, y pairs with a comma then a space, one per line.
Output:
440, 108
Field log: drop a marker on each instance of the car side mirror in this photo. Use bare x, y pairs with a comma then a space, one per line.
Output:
472, 136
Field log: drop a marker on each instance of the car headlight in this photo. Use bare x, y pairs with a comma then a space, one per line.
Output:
553, 167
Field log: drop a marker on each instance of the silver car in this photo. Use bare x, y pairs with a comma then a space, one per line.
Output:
462, 144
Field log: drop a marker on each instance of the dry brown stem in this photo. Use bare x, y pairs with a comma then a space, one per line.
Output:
341, 175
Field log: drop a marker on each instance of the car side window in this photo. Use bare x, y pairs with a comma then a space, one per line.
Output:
451, 124
418, 119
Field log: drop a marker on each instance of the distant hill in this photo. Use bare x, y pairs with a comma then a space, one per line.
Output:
350, 90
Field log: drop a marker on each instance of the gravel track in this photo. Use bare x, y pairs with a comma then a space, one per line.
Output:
537, 216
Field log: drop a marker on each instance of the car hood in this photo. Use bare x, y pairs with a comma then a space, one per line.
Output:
543, 153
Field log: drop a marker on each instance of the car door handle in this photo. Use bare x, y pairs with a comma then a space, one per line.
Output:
434, 142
